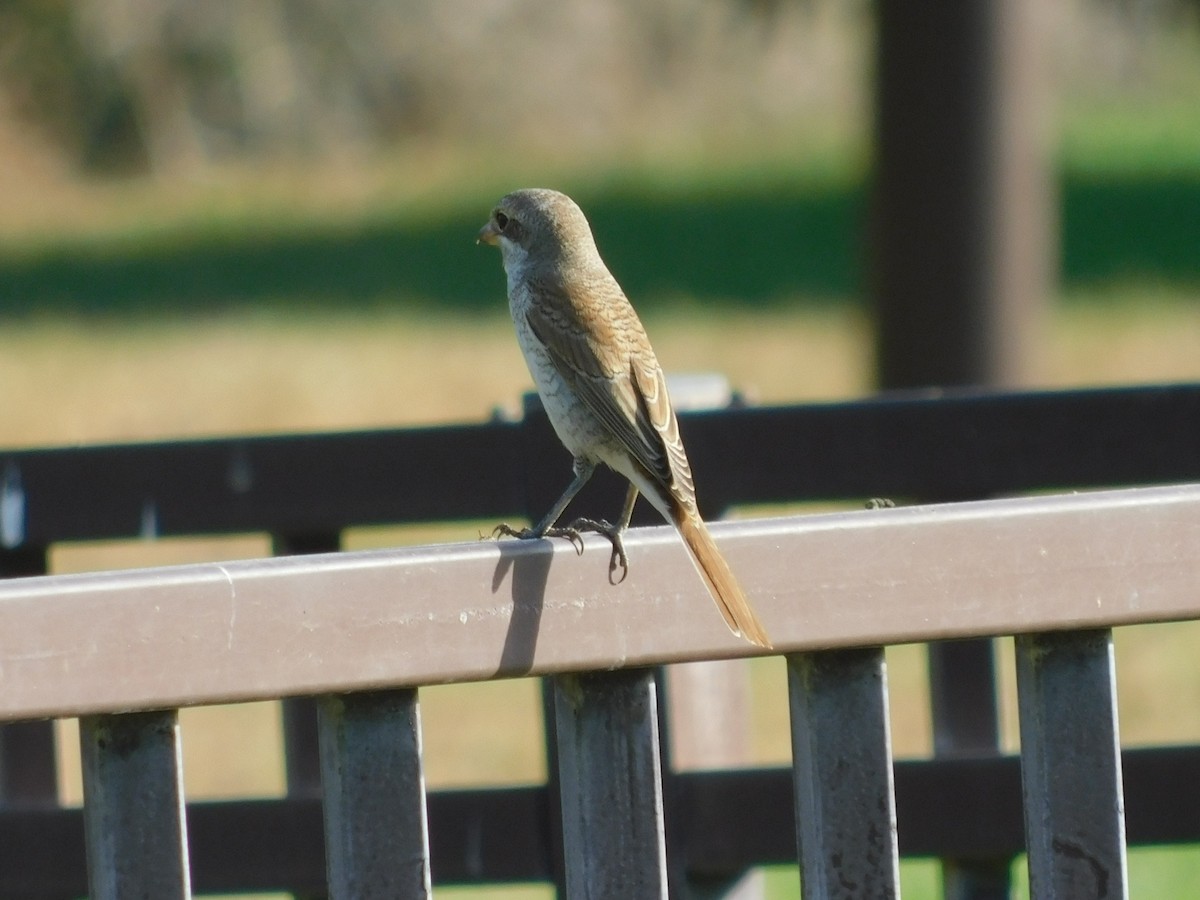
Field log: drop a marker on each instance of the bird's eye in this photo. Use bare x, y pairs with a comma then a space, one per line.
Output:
501, 220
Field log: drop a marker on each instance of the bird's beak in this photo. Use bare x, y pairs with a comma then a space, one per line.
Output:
488, 234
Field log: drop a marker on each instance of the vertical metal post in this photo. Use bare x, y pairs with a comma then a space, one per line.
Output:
842, 760
1071, 765
133, 811
376, 832
611, 785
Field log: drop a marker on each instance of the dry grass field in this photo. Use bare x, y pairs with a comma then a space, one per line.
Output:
82, 382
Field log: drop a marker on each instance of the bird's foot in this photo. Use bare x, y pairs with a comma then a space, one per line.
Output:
574, 533
879, 503
613, 533
525, 534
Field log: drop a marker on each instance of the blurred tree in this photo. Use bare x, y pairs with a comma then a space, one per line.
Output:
47, 77
129, 86
132, 85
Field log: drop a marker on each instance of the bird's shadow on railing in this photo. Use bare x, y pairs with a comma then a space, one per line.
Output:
529, 574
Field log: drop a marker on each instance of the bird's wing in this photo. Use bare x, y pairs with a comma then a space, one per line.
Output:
655, 410
601, 350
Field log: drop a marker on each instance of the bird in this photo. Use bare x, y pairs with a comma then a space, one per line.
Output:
601, 386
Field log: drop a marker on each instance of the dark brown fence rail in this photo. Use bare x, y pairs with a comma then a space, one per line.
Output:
305, 490
944, 445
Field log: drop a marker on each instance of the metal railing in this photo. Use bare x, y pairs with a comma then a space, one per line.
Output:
364, 630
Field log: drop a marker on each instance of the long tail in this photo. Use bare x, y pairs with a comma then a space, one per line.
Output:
725, 590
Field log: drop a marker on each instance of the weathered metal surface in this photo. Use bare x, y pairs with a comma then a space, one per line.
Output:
1071, 765
611, 785
842, 760
133, 806
376, 834
255, 629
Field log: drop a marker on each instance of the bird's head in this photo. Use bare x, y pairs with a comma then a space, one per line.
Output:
539, 226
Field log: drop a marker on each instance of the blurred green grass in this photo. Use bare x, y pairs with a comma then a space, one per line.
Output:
1165, 872
758, 245
737, 229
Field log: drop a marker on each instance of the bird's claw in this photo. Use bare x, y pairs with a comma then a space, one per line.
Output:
571, 534
506, 530
574, 534
613, 533
526, 534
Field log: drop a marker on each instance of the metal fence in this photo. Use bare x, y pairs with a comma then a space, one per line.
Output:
363, 631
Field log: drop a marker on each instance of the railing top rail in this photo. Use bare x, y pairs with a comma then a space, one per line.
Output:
256, 629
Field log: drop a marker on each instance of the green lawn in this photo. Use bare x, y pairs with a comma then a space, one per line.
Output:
763, 244
745, 229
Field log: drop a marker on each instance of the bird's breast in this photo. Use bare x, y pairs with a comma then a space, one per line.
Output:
573, 421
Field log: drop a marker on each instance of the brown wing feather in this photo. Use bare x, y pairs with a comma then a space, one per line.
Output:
602, 352
656, 412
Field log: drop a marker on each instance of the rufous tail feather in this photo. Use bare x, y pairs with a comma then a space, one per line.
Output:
725, 590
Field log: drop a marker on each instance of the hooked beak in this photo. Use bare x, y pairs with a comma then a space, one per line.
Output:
488, 234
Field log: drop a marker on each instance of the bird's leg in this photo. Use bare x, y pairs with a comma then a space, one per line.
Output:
545, 528
613, 533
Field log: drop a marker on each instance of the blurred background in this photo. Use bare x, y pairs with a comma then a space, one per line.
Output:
255, 217
185, 184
